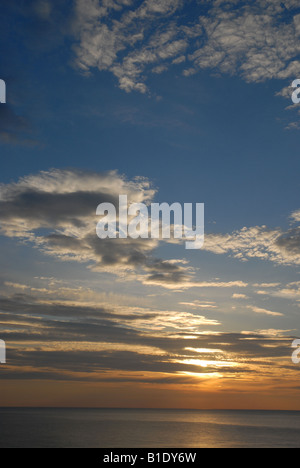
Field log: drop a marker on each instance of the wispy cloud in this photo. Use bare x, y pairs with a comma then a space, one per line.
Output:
289, 291
258, 310
200, 304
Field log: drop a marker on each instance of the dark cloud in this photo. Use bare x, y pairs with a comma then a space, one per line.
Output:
176, 277
56, 211
53, 208
290, 242
50, 341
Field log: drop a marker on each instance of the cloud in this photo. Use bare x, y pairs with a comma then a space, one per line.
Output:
258, 41
55, 211
59, 339
258, 310
104, 38
239, 296
200, 305
63, 204
258, 242
181, 281
47, 339
290, 291
296, 216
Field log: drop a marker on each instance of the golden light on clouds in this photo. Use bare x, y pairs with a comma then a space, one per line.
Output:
205, 363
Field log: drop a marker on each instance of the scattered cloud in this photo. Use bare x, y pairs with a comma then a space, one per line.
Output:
110, 30
55, 211
181, 281
290, 291
259, 242
257, 41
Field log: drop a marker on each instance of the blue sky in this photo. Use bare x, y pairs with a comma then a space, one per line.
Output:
194, 97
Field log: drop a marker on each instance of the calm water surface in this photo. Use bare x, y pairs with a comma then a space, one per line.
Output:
97, 428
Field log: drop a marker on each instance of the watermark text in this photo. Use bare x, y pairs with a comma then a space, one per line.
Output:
2, 352
2, 92
296, 353
157, 221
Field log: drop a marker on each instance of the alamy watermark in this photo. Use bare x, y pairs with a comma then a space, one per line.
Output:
296, 353
2, 352
2, 92
296, 93
156, 221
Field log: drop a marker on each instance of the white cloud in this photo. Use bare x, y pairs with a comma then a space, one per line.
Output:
258, 242
102, 39
239, 296
185, 282
296, 216
256, 40
258, 310
291, 291
199, 305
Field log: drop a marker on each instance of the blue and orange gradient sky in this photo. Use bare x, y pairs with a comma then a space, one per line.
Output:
164, 101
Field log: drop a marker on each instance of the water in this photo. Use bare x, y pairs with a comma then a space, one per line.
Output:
100, 428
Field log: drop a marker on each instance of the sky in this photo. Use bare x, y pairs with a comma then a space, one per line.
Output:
164, 101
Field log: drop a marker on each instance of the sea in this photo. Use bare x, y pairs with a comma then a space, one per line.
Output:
127, 428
